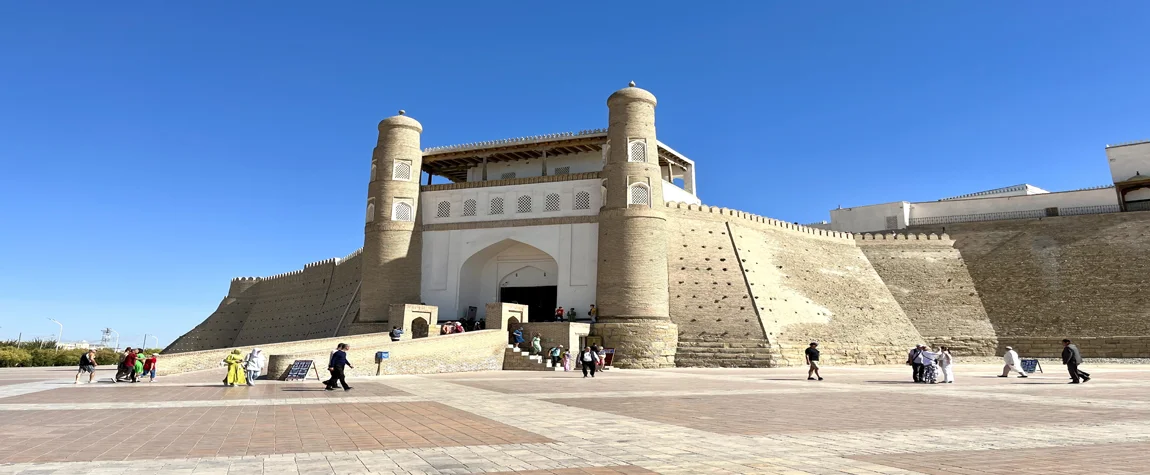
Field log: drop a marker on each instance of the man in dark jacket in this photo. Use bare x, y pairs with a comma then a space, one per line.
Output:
335, 366
1071, 357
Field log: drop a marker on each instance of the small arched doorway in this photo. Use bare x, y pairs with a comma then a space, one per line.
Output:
512, 325
419, 328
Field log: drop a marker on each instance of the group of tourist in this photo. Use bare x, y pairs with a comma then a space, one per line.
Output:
927, 365
133, 365
569, 315
451, 327
244, 370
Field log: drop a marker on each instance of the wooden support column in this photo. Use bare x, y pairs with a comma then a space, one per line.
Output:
485, 168
544, 160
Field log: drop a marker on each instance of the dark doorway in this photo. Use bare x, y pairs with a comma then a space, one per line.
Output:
540, 301
419, 328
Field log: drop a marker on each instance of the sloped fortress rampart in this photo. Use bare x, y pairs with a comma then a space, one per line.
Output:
612, 218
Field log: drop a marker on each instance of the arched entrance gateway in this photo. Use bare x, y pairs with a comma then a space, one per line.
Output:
510, 271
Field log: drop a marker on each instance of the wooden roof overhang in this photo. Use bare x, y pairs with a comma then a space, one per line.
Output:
452, 162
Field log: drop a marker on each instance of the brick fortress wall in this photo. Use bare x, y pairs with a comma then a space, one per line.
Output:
932, 284
1080, 277
753, 291
299, 305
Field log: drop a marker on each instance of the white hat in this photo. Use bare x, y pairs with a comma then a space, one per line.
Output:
1009, 348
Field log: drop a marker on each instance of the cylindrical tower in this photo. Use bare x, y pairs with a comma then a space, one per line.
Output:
392, 240
631, 290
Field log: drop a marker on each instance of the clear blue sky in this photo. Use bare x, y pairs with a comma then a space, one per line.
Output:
152, 152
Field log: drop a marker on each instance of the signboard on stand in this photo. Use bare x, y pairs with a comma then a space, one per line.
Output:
299, 370
608, 357
1031, 365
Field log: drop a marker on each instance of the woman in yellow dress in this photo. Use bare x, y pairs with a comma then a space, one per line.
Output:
235, 364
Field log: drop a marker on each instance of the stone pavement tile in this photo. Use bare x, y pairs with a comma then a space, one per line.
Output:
48, 436
1079, 459
612, 470
144, 392
573, 384
768, 413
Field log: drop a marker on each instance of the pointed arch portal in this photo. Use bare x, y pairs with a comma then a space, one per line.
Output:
510, 271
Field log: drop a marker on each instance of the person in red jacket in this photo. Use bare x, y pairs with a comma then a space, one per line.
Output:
130, 362
150, 368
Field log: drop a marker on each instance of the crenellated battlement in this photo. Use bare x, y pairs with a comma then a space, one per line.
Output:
758, 219
514, 141
902, 237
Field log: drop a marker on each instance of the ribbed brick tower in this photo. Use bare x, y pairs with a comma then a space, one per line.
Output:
392, 240
632, 282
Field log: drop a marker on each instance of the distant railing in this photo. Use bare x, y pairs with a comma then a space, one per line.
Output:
1028, 214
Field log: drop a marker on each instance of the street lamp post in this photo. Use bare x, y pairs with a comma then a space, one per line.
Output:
157, 340
59, 339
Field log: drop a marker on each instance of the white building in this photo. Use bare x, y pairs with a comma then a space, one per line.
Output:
1130, 192
475, 248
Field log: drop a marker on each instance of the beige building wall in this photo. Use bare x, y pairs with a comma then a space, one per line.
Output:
803, 284
932, 284
1079, 277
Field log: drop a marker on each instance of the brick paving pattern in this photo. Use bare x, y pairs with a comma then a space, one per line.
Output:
861, 420
54, 436
153, 393
1084, 460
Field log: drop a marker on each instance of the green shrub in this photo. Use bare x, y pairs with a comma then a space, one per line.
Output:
11, 356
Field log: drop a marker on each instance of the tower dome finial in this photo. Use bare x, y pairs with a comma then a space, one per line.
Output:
402, 112
632, 84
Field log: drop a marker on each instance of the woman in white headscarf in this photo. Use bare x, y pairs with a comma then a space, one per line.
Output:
254, 364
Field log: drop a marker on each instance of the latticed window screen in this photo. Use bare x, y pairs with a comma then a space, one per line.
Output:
507, 175
402, 211
552, 203
524, 205
469, 208
582, 200
637, 150
640, 195
892, 222
401, 170
370, 211
496, 206
562, 170
443, 209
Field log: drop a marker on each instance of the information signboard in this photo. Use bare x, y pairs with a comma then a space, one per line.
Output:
608, 356
1031, 365
299, 369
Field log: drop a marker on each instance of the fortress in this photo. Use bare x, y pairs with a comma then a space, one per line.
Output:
612, 217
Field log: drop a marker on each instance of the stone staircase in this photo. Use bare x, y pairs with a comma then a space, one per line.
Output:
725, 353
519, 360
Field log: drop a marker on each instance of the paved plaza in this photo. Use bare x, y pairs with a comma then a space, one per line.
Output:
860, 420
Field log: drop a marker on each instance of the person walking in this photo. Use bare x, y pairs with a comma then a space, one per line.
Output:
568, 361
593, 313
396, 333
946, 363
235, 375
150, 367
517, 336
555, 352
1011, 362
87, 365
254, 365
335, 366
601, 352
536, 345
589, 360
812, 357
1071, 357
